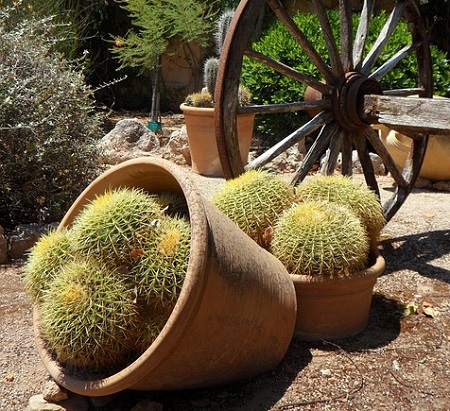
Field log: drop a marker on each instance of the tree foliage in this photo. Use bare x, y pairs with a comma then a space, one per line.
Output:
157, 22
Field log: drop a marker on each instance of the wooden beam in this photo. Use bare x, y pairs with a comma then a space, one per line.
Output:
409, 114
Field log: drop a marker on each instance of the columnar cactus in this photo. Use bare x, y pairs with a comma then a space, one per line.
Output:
254, 201
222, 26
210, 70
45, 259
345, 191
89, 316
320, 239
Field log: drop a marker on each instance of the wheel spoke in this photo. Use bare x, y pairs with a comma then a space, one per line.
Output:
365, 160
318, 121
323, 104
347, 155
316, 150
346, 30
362, 32
381, 150
410, 173
289, 71
330, 42
403, 92
304, 43
332, 153
383, 37
389, 65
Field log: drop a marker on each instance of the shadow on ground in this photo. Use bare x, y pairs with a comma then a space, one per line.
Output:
417, 252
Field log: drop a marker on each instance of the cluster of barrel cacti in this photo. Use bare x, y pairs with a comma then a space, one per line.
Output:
105, 287
327, 226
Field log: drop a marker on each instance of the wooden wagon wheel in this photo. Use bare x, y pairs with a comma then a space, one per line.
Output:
347, 80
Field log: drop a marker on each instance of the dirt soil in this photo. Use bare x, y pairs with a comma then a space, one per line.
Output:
400, 362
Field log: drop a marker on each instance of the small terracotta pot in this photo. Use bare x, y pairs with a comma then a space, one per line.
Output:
235, 315
334, 308
201, 134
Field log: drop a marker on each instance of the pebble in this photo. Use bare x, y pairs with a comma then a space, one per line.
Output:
75, 403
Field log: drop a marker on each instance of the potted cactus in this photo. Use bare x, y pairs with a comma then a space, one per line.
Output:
198, 110
254, 201
327, 243
225, 311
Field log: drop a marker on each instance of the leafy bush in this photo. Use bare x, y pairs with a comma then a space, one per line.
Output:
270, 87
48, 126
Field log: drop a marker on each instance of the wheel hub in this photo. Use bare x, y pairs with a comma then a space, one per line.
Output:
348, 99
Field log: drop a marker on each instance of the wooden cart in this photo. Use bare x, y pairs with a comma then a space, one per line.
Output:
350, 98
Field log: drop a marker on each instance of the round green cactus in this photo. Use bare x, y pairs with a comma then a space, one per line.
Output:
162, 261
89, 316
46, 257
254, 201
345, 191
153, 320
321, 239
172, 204
109, 226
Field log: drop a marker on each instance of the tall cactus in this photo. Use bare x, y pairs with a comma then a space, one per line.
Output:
211, 67
222, 27
210, 71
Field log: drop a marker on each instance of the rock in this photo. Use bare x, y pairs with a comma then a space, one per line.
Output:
177, 149
148, 405
52, 392
377, 163
23, 237
3, 247
128, 139
423, 183
75, 403
442, 186
288, 161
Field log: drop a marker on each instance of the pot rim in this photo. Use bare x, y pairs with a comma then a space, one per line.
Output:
370, 272
127, 174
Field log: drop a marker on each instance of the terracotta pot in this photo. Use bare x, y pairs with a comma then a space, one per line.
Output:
334, 308
435, 167
235, 315
201, 134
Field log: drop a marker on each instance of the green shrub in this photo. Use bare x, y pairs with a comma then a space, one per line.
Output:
270, 87
48, 126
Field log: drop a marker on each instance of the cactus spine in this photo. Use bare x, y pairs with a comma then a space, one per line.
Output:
320, 239
254, 201
161, 267
345, 191
88, 316
109, 226
44, 261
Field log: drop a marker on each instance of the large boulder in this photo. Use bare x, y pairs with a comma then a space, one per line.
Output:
128, 139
